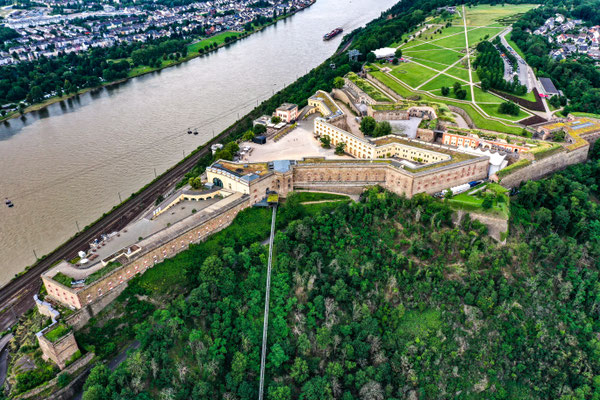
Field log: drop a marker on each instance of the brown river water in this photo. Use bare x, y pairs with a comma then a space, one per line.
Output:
67, 164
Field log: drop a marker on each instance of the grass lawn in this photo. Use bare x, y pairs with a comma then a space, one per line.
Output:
461, 73
477, 35
412, 74
431, 64
492, 110
473, 203
218, 39
420, 46
318, 196
392, 84
583, 114
438, 82
486, 97
441, 56
479, 120
486, 14
57, 332
452, 41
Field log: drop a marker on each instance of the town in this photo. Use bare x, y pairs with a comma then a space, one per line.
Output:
571, 37
54, 28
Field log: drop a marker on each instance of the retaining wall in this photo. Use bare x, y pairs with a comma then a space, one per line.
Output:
41, 392
541, 168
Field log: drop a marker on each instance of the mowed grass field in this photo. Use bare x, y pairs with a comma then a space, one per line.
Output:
412, 74
438, 58
486, 15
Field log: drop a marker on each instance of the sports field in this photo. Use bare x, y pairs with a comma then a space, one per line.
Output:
439, 55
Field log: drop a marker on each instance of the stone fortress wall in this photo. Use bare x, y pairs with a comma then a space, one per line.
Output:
348, 176
154, 250
541, 168
59, 351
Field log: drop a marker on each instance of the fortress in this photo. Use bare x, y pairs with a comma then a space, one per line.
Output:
404, 166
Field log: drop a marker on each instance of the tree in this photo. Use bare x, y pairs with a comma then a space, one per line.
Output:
195, 183
248, 135
461, 94
508, 107
63, 379
35, 94
338, 82
275, 119
95, 392
367, 125
278, 392
259, 129
398, 53
316, 389
382, 129
456, 87
488, 202
445, 90
395, 61
325, 142
371, 57
299, 371
339, 148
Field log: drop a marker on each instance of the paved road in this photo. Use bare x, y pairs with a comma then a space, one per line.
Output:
4, 357
526, 75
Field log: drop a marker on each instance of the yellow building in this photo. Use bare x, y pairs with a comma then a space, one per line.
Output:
384, 147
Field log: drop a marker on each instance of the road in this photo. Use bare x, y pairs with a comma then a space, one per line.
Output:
526, 75
16, 297
263, 356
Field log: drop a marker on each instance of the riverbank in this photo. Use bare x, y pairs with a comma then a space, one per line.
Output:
193, 52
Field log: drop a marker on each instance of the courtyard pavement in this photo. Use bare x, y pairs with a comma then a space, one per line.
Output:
296, 145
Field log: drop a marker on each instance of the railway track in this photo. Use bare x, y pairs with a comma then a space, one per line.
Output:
16, 297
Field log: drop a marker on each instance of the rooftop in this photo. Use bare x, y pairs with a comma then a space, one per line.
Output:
243, 170
287, 107
548, 85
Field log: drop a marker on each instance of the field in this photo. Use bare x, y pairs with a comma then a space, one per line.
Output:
480, 120
438, 57
487, 15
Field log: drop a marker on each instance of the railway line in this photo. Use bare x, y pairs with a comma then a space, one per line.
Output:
16, 297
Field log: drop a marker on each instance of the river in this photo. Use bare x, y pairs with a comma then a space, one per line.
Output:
67, 164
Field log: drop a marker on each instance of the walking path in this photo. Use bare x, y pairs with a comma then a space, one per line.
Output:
263, 355
469, 58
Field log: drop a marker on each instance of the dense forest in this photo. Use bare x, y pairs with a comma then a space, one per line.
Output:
388, 299
578, 78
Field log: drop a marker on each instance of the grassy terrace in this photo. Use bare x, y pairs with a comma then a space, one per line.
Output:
102, 272
58, 331
513, 167
366, 87
63, 279
324, 97
478, 119
471, 201
456, 158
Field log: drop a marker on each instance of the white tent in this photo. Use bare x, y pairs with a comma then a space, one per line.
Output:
385, 52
